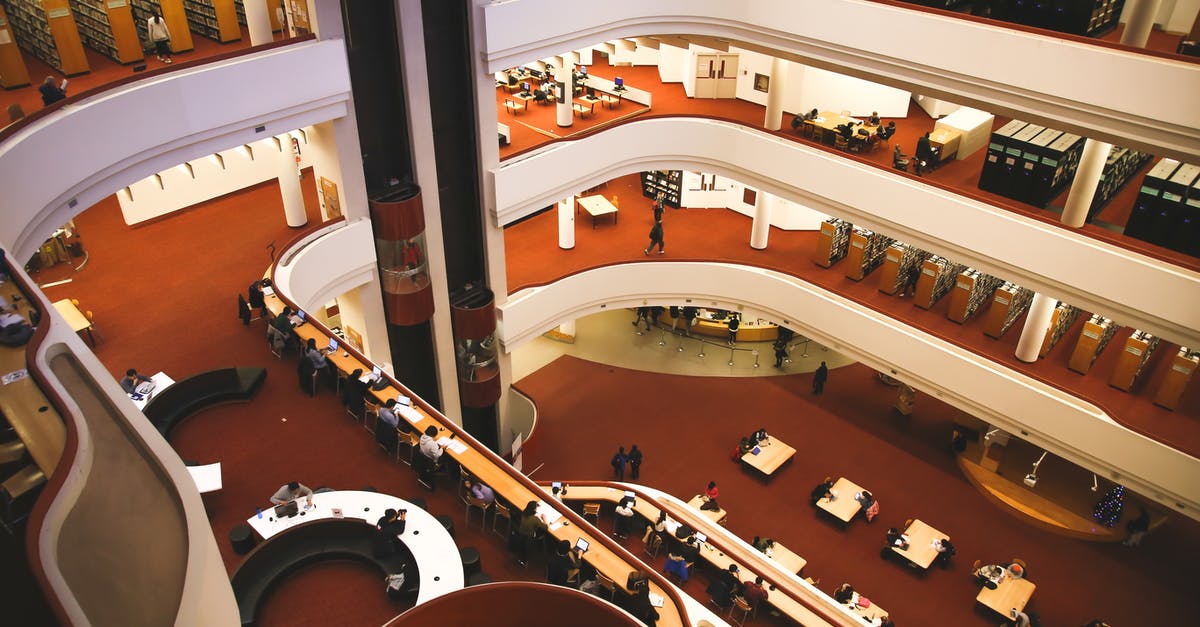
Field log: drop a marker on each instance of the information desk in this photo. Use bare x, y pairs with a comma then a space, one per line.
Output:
597, 206
506, 486
75, 318
772, 453
974, 128
842, 504
945, 141
921, 537
1009, 593
717, 516
747, 331
438, 561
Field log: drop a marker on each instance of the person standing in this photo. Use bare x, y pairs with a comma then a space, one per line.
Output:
658, 206
618, 463
51, 93
656, 238
780, 352
635, 462
643, 314
734, 322
819, 378
156, 30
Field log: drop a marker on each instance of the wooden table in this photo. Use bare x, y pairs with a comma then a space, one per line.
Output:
612, 100
825, 125
24, 404
921, 537
786, 558
585, 105
945, 140
524, 98
717, 516
597, 206
843, 506
868, 613
75, 318
772, 454
1009, 593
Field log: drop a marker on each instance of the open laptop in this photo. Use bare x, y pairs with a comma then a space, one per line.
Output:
286, 510
582, 545
700, 538
333, 345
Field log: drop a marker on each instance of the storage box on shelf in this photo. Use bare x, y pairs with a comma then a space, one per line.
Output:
1094, 336
108, 28
1008, 303
972, 288
1063, 317
1131, 365
867, 250
215, 19
173, 14
1121, 165
1167, 209
833, 242
1175, 381
937, 277
47, 30
669, 182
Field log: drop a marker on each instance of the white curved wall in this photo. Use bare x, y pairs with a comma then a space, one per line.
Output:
87, 150
330, 262
1133, 289
1132, 99
1043, 415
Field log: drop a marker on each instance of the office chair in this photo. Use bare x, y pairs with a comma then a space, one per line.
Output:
92, 319
841, 143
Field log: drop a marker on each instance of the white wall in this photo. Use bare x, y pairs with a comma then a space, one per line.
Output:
629, 53
322, 152
362, 310
827, 91
672, 64
729, 193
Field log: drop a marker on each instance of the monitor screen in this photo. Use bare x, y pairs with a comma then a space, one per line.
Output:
618, 81
556, 484
333, 343
591, 92
404, 400
582, 545
583, 70
376, 373
301, 315
525, 86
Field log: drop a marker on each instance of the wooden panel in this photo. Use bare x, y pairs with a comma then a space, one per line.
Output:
398, 216
474, 323
124, 31
889, 271
176, 18
1086, 348
926, 284
482, 605
227, 21
66, 36
1125, 372
854, 258
960, 298
13, 72
1175, 381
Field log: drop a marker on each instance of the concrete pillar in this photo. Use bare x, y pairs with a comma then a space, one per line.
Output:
566, 87
774, 119
1083, 186
1139, 22
566, 223
289, 184
760, 228
258, 22
1033, 334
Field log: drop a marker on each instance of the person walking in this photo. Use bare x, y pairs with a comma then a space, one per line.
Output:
643, 314
819, 378
635, 462
618, 463
156, 31
658, 206
656, 238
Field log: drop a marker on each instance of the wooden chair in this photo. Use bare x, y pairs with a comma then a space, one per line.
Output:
653, 545
512, 106
482, 506
607, 584
593, 510
370, 413
499, 510
908, 523
841, 143
975, 566
409, 439
742, 605
92, 320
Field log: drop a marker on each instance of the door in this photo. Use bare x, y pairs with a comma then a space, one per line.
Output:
727, 71
707, 66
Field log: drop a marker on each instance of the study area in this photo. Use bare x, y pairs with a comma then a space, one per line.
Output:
832, 565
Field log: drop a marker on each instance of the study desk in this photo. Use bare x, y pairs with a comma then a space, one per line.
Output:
1009, 593
612, 100
842, 506
786, 558
772, 454
597, 206
921, 537
586, 105
436, 554
75, 318
37, 423
207, 477
867, 613
524, 97
161, 381
945, 141
717, 516
825, 125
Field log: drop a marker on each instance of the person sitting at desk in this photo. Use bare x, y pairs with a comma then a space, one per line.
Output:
317, 356
759, 436
480, 491
822, 490
845, 130
753, 591
990, 575
354, 392
132, 380
797, 122
844, 593
945, 550
624, 518
387, 414
283, 322
725, 586
388, 530
429, 446
874, 119
563, 565
710, 497
812, 115
530, 528
290, 492
897, 539
869, 505
764, 545
885, 132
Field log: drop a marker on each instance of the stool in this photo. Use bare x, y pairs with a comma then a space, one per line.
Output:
447, 522
478, 578
242, 538
470, 560
419, 502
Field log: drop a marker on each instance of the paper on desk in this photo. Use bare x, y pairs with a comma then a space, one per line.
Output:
548, 514
409, 413
454, 445
15, 375
657, 600
555, 527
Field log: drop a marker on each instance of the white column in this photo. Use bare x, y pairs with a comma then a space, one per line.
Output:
774, 119
760, 228
1033, 334
1083, 187
1139, 21
564, 77
566, 223
258, 22
289, 185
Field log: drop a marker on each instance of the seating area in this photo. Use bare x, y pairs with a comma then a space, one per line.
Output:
197, 392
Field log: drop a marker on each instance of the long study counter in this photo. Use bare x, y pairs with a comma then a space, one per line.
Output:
604, 554
22, 401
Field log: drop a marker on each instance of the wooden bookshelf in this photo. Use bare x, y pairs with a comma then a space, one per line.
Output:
240, 9
832, 242
13, 72
1063, 317
937, 277
867, 251
897, 261
971, 289
1176, 379
47, 30
1094, 336
669, 182
107, 27
173, 14
214, 19
1131, 365
1009, 302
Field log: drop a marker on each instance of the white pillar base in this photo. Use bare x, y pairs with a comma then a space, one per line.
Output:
1033, 334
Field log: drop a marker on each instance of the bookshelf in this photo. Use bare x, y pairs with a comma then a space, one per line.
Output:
832, 242
239, 7
1089, 18
1063, 317
1176, 379
866, 252
971, 289
669, 182
107, 27
172, 12
1009, 302
1131, 365
1121, 165
899, 259
47, 31
13, 72
214, 19
937, 277
1167, 209
1094, 336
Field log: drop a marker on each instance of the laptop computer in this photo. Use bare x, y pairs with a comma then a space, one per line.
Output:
286, 510
701, 538
333, 345
582, 545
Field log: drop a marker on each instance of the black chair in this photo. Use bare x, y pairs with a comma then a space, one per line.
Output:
307, 375
385, 436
